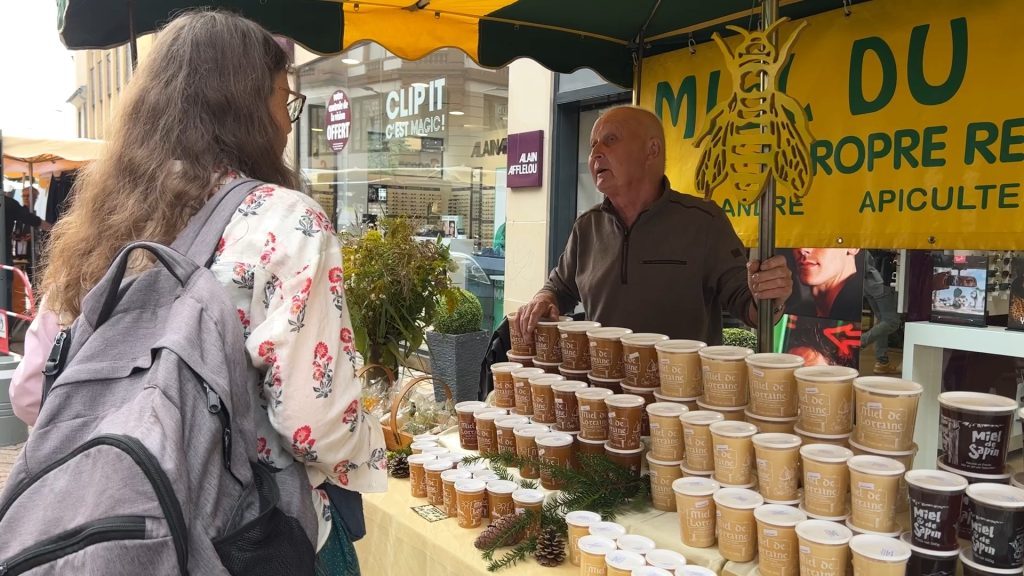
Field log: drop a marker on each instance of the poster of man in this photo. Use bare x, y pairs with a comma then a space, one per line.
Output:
451, 225
827, 282
819, 341
823, 316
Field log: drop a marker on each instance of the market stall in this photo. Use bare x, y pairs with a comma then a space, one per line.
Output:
38, 160
906, 152
902, 98
434, 546
28, 156
439, 546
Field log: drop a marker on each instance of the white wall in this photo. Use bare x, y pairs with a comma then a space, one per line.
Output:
531, 94
500, 198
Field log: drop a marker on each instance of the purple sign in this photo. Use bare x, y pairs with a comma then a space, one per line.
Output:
525, 159
339, 121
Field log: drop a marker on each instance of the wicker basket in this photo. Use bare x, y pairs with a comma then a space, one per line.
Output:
394, 437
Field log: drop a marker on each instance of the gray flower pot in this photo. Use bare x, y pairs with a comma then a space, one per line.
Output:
12, 430
455, 360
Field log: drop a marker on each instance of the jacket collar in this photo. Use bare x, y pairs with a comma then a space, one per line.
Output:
665, 197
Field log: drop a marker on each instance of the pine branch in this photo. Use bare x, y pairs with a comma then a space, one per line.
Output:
520, 552
563, 476
552, 517
598, 485
507, 459
579, 499
502, 471
500, 463
518, 527
531, 484
473, 459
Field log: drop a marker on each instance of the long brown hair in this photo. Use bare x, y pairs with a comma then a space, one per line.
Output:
196, 107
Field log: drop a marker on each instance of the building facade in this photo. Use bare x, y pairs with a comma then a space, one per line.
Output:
101, 77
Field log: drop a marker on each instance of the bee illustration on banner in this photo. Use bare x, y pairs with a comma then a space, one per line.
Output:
756, 131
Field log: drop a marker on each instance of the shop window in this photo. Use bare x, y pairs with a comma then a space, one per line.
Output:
496, 111
426, 140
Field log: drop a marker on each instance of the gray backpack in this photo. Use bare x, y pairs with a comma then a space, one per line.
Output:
142, 461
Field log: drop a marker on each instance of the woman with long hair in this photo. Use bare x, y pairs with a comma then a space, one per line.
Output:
208, 104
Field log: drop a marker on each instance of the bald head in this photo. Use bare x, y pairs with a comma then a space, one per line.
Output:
627, 152
646, 120
647, 124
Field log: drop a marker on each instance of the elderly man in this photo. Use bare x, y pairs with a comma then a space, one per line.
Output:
649, 258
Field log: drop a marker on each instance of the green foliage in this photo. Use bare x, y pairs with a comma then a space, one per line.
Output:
393, 284
499, 468
522, 550
406, 451
459, 314
598, 485
739, 337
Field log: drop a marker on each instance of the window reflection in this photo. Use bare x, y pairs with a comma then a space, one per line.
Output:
426, 141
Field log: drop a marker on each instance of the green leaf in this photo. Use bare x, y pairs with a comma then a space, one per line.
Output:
392, 348
598, 485
392, 285
414, 342
361, 341
512, 558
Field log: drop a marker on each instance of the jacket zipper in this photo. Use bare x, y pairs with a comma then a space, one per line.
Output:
624, 272
158, 479
75, 540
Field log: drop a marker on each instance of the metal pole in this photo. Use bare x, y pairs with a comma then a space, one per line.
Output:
638, 54
32, 258
766, 219
133, 43
638, 66
4, 241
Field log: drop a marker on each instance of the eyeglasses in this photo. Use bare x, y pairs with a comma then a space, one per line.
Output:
295, 105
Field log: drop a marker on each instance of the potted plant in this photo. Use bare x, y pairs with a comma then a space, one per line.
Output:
393, 284
458, 345
739, 337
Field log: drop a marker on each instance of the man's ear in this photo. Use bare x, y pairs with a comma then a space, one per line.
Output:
655, 149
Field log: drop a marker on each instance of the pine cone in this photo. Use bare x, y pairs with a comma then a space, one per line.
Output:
550, 548
398, 465
496, 529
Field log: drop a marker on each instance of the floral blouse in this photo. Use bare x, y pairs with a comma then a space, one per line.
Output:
281, 262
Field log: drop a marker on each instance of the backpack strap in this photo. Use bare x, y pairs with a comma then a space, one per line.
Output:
200, 237
198, 242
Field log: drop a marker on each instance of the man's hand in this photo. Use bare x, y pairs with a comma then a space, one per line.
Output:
543, 305
770, 280
45, 226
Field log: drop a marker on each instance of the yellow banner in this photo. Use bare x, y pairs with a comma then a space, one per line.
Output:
917, 107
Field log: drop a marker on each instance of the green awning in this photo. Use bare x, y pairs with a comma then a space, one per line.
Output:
562, 35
